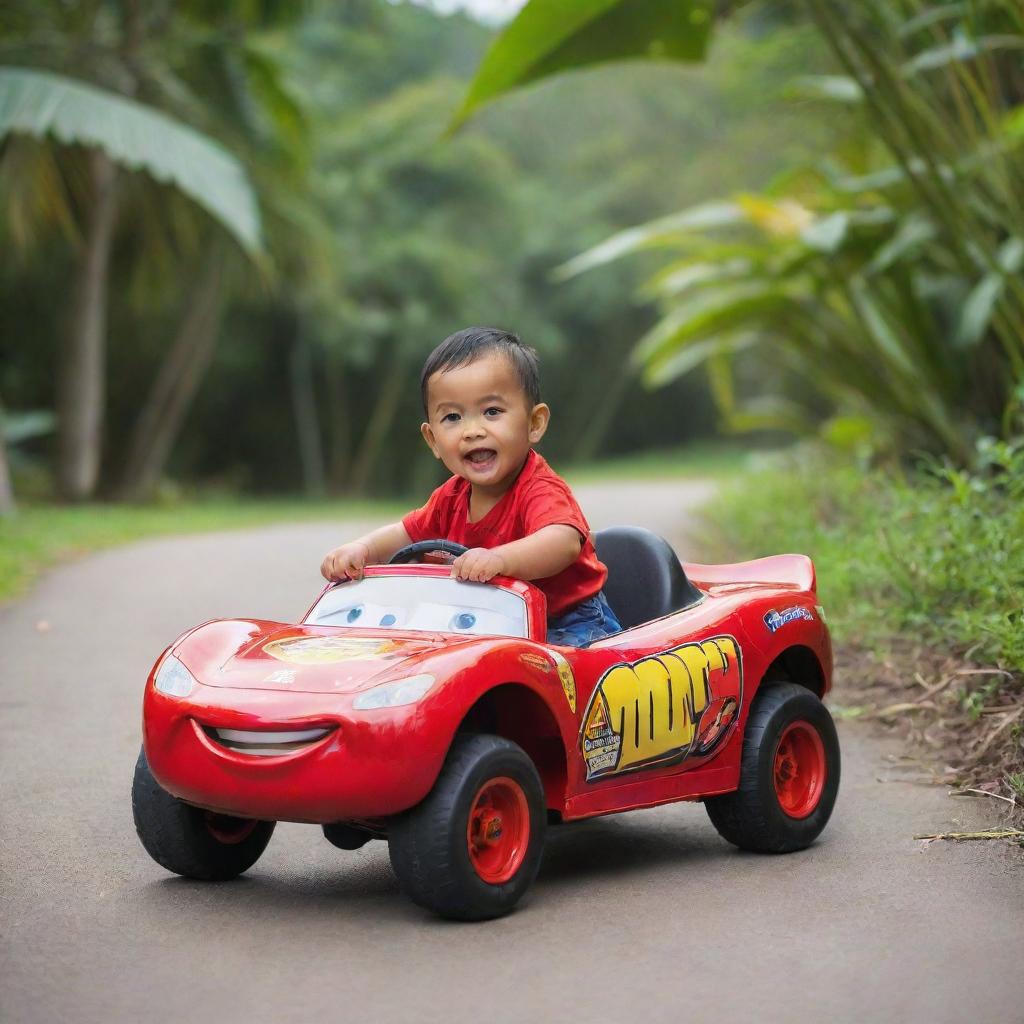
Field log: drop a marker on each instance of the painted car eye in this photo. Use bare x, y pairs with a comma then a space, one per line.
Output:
388, 620
463, 620
354, 613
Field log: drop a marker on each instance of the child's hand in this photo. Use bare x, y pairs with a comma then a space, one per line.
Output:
346, 562
478, 565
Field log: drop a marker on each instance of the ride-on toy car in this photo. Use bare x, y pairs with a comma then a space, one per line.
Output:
411, 707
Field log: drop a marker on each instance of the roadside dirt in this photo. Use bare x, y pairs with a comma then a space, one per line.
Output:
961, 725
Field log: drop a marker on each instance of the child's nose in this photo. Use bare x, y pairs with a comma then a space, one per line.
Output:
472, 426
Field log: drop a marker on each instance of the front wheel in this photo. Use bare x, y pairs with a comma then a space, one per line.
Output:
789, 774
190, 841
472, 848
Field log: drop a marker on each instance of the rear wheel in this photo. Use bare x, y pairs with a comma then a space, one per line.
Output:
472, 848
789, 774
190, 841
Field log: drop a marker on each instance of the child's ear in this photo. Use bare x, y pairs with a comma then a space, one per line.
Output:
428, 436
540, 415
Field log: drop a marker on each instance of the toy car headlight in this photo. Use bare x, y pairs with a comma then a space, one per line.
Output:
393, 695
173, 678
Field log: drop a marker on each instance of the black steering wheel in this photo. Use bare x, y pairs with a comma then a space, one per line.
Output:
415, 552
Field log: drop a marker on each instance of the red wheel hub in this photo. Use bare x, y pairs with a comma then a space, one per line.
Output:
799, 769
228, 830
498, 832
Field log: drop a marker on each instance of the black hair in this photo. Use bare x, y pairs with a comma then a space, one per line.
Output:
465, 346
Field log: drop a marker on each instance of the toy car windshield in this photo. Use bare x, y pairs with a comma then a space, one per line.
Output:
423, 603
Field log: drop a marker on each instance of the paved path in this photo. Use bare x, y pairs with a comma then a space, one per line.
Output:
647, 917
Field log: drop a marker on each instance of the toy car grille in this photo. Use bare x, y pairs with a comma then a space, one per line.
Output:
262, 743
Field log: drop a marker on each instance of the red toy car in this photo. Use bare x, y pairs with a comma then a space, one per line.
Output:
431, 712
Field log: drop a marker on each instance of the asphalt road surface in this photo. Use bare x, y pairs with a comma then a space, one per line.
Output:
644, 917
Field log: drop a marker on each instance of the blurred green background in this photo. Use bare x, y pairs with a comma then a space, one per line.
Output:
239, 299
232, 231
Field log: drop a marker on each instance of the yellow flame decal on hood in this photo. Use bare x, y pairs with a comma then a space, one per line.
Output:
325, 650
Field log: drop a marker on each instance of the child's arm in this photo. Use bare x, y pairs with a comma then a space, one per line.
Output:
544, 553
350, 559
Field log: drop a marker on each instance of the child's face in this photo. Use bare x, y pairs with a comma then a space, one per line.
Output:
480, 423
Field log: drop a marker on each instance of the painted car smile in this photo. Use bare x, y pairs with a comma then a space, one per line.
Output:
266, 742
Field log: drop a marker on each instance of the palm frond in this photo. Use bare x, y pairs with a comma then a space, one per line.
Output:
42, 104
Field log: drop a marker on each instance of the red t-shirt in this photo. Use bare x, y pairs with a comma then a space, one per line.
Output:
538, 498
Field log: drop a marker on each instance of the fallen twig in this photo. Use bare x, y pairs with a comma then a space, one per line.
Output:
905, 707
930, 691
990, 833
968, 791
1008, 720
923, 780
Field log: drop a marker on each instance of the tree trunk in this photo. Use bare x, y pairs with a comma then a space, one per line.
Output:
81, 369
176, 383
381, 420
307, 422
7, 505
339, 423
592, 435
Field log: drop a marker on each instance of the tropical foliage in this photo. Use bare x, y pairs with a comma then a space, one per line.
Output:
878, 287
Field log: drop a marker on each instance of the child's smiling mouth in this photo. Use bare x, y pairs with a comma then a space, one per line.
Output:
481, 458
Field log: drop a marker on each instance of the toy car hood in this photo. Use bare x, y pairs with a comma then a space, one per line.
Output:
254, 654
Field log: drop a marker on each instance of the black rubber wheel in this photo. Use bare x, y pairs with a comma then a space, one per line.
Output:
190, 841
789, 774
472, 848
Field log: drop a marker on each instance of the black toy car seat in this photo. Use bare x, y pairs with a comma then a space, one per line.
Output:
645, 579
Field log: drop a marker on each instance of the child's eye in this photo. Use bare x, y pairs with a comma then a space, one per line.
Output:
492, 411
450, 417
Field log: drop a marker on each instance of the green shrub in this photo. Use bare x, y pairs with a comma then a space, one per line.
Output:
930, 553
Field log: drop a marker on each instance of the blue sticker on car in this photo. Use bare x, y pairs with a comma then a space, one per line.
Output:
775, 619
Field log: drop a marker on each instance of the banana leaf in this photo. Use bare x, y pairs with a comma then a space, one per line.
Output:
662, 231
551, 36
980, 305
42, 104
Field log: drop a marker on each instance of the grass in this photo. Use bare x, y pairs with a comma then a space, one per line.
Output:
43, 535
937, 555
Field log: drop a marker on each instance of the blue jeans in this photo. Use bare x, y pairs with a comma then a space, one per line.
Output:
583, 623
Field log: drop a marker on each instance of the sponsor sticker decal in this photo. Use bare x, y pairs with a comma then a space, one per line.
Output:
600, 742
776, 619
326, 650
567, 679
663, 708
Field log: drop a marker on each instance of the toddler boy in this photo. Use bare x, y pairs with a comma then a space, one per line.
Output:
481, 397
